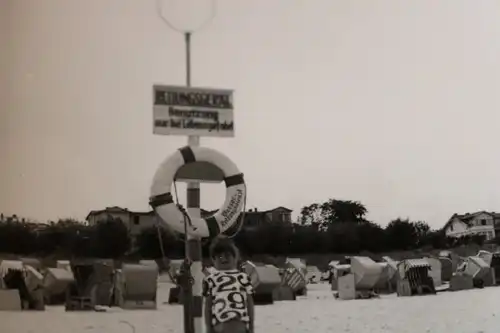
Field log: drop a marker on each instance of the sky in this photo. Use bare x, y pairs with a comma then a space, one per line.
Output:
390, 103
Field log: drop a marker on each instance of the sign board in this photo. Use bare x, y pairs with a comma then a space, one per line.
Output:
192, 111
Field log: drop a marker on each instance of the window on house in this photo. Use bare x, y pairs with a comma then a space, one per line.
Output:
451, 227
286, 217
136, 220
270, 217
483, 222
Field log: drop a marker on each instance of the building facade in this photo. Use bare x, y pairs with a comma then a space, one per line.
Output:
134, 221
255, 218
479, 223
138, 221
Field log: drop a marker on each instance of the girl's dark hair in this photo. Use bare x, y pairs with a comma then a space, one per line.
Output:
221, 245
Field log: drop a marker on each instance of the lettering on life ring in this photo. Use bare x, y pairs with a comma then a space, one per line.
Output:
233, 208
161, 198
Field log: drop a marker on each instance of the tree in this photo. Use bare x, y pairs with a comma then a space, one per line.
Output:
333, 226
74, 238
152, 242
401, 234
372, 237
422, 230
17, 237
344, 238
332, 211
435, 239
308, 239
50, 240
311, 215
111, 238
340, 211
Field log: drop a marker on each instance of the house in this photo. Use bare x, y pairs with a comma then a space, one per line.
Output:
138, 221
279, 215
255, 218
134, 221
13, 218
480, 223
34, 226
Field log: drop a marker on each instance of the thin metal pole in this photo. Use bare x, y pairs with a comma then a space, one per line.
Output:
193, 308
187, 40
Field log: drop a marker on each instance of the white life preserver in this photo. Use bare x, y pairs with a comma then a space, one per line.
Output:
162, 201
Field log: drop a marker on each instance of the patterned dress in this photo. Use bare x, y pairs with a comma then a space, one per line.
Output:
229, 291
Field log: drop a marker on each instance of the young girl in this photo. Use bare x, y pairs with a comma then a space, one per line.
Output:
228, 292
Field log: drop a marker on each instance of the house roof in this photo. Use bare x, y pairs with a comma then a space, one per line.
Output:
280, 207
251, 217
461, 218
116, 209
468, 217
250, 211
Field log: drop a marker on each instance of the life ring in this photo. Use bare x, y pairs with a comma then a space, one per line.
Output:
162, 201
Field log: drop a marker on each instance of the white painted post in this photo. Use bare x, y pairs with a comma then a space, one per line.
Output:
193, 307
193, 249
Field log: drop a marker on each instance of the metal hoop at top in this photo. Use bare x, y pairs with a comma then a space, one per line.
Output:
213, 12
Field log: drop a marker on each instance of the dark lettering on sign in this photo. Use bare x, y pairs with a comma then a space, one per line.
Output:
193, 99
194, 119
232, 209
173, 112
176, 123
191, 124
226, 126
161, 123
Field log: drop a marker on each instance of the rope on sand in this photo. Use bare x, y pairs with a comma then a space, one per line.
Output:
128, 324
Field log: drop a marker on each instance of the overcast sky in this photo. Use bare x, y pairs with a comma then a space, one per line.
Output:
392, 103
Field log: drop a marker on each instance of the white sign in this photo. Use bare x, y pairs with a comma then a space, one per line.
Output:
192, 111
